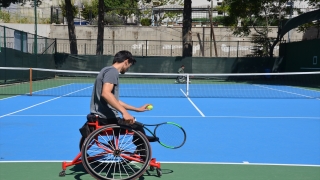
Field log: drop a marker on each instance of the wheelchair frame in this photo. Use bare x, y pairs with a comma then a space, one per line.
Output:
116, 151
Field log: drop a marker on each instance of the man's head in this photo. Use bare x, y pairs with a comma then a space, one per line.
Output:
182, 66
125, 59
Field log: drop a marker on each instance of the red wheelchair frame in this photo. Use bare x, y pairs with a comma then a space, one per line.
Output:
136, 157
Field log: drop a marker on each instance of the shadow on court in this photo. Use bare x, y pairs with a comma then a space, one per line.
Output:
78, 172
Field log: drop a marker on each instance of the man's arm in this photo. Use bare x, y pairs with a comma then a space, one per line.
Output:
180, 71
132, 108
109, 97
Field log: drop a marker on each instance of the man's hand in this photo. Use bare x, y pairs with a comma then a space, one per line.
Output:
128, 118
143, 108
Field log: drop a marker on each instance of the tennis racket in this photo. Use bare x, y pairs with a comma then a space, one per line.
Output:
169, 134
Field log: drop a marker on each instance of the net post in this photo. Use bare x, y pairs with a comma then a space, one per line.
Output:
30, 93
187, 85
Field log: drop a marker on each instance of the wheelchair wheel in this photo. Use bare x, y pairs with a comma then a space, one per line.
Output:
81, 142
116, 152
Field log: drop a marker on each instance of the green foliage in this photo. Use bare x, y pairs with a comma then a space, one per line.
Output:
62, 5
305, 27
113, 19
6, 3
5, 16
254, 14
44, 21
261, 48
24, 20
90, 10
55, 19
314, 3
123, 8
145, 22
247, 16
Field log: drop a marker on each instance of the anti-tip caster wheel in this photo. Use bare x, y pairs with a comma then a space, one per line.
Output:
159, 172
62, 173
151, 168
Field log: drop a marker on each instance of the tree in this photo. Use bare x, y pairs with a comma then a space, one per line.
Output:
100, 37
108, 5
172, 15
303, 28
258, 15
186, 29
70, 11
90, 10
6, 3
314, 3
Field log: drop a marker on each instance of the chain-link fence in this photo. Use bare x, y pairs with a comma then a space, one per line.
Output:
25, 42
164, 48
25, 14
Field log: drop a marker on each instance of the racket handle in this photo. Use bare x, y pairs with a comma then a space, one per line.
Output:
122, 122
139, 123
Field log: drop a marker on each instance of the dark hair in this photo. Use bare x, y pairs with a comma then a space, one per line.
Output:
122, 56
182, 65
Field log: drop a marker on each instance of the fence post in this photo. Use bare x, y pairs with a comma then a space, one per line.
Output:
21, 40
146, 47
113, 42
30, 81
46, 46
55, 45
171, 50
57, 14
51, 14
237, 49
5, 52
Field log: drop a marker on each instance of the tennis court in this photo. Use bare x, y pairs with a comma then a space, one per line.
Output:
253, 129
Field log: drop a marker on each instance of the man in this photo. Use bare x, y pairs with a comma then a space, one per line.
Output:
181, 70
181, 79
105, 95
105, 101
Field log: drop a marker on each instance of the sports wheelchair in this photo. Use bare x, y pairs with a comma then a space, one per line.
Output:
181, 80
114, 152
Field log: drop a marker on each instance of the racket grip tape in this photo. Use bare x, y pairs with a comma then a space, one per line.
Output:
139, 123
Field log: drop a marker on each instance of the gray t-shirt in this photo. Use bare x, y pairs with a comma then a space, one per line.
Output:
98, 105
181, 71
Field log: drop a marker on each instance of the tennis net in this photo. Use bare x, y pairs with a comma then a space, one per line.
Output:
50, 82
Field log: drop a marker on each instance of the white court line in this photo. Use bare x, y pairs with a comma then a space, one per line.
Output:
193, 104
246, 117
255, 117
37, 91
43, 102
168, 162
287, 92
9, 97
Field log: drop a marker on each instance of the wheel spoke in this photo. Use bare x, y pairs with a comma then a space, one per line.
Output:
116, 152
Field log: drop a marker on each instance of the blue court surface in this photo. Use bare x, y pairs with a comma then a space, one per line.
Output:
219, 130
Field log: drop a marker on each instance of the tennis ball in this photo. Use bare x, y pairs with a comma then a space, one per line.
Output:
150, 107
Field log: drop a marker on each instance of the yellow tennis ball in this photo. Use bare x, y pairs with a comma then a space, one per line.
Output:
150, 107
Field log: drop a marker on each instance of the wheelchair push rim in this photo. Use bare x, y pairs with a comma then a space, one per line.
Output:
116, 152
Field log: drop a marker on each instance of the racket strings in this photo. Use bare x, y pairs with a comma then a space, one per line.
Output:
170, 135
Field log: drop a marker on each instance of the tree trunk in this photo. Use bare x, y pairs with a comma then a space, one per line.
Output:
186, 29
99, 50
71, 28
